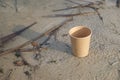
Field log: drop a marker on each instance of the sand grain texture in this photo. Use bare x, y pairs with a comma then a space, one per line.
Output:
57, 62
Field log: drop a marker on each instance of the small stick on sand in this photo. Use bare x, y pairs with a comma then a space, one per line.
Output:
30, 49
89, 5
96, 10
80, 6
13, 35
73, 2
70, 15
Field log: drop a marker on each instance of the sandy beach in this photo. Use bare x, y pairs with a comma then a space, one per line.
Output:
57, 61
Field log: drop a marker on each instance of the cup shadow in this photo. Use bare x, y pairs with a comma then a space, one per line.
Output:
52, 43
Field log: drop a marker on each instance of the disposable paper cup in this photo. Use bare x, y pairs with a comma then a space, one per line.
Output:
80, 39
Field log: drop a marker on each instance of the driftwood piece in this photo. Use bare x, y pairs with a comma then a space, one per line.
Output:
70, 15
38, 37
30, 49
10, 36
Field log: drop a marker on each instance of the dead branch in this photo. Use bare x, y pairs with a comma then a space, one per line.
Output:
36, 50
40, 36
45, 41
96, 10
30, 49
13, 35
70, 15
89, 5
73, 2
80, 6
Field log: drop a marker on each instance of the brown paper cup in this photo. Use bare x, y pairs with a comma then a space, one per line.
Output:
80, 39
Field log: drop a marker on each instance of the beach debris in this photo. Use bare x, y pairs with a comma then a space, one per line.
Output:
52, 61
70, 15
19, 63
45, 41
48, 32
92, 5
36, 49
73, 2
99, 15
31, 49
37, 46
5, 39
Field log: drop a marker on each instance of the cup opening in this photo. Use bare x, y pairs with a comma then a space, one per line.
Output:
80, 32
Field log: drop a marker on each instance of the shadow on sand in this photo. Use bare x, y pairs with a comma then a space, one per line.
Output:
52, 43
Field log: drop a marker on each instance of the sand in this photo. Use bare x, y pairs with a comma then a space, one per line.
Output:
57, 62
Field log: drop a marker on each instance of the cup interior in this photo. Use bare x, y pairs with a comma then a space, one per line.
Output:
80, 32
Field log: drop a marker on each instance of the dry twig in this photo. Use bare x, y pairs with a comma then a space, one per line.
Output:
80, 6
30, 49
92, 6
70, 15
89, 5
99, 15
13, 35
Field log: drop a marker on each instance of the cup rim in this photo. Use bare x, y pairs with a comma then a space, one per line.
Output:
80, 27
